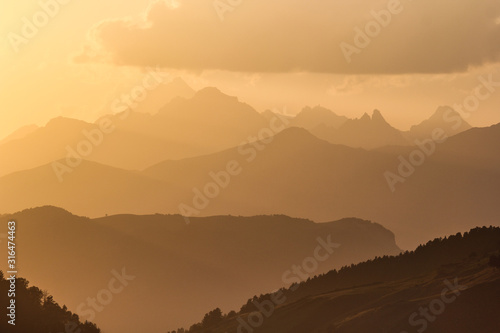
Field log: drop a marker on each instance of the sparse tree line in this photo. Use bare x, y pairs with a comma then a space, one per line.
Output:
477, 244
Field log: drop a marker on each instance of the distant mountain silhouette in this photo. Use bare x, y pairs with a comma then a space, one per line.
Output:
166, 126
37, 311
208, 122
310, 118
91, 189
19, 133
444, 118
385, 294
366, 132
296, 174
62, 137
308, 177
181, 270
270, 115
163, 94
473, 148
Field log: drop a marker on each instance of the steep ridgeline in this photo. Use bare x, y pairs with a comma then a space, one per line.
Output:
445, 118
447, 285
366, 132
371, 132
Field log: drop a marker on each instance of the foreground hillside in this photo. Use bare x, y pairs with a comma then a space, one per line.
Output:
36, 311
178, 271
448, 285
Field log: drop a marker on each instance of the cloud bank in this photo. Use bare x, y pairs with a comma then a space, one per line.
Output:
341, 36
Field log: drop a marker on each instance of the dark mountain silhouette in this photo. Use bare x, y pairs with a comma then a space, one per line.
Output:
37, 311
383, 294
180, 270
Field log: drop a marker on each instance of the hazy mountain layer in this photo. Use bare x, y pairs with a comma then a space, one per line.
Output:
175, 123
172, 272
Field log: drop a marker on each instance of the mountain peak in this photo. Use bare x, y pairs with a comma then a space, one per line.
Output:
365, 117
178, 81
297, 134
209, 92
442, 110
318, 110
213, 95
64, 121
312, 117
444, 117
377, 116
20, 133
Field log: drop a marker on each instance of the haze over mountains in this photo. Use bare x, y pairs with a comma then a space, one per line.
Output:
208, 122
366, 132
19, 133
213, 261
235, 175
140, 167
445, 118
198, 123
250, 166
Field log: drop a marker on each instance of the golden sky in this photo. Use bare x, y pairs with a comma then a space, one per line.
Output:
279, 54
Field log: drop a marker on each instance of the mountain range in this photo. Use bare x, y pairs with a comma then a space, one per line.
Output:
195, 196
219, 260
190, 124
295, 174
315, 165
